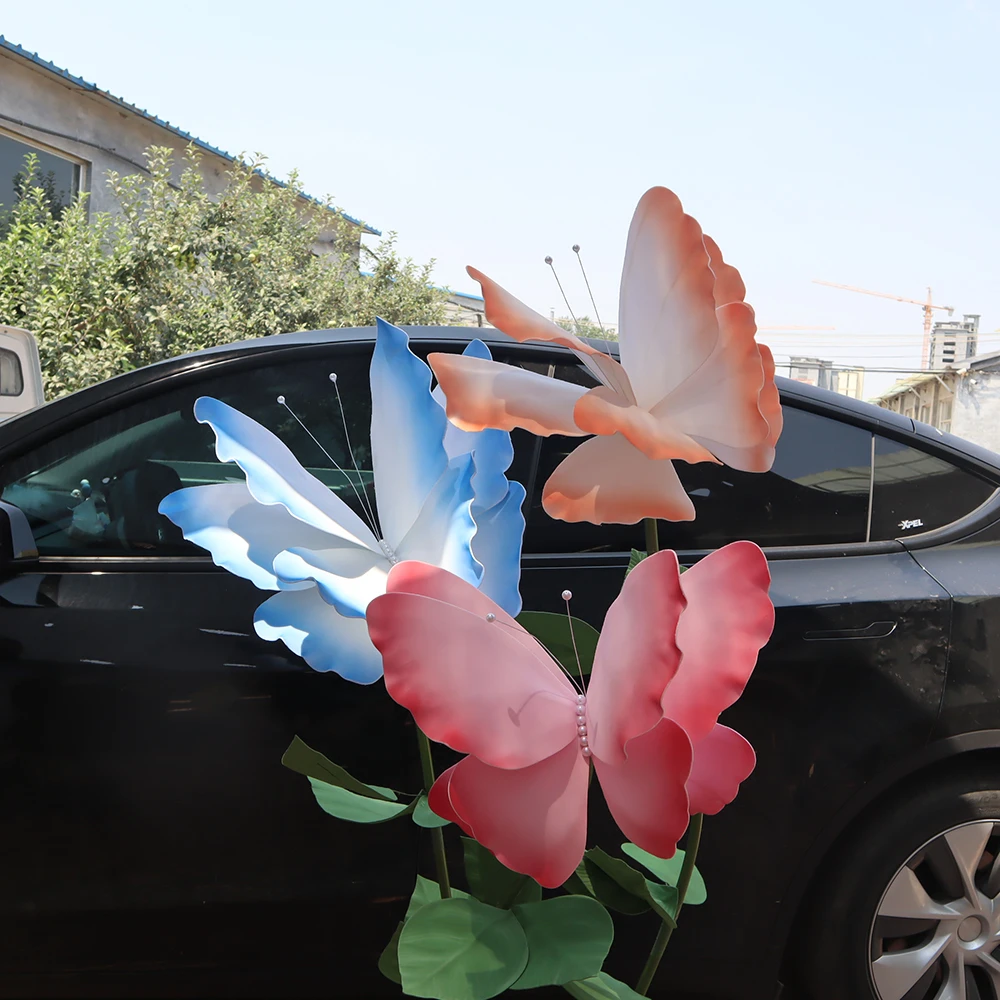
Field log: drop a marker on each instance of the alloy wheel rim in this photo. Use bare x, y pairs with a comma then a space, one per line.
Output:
936, 931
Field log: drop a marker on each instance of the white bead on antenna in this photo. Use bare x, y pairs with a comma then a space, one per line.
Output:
567, 595
281, 400
490, 617
333, 376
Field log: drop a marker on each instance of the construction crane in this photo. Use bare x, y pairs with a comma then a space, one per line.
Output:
927, 306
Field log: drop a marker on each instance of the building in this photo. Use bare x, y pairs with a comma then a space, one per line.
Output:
812, 371
818, 372
849, 382
965, 401
952, 343
462, 309
927, 397
80, 132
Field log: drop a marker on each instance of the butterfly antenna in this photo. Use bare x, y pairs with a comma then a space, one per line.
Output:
350, 449
569, 308
334, 462
567, 596
597, 315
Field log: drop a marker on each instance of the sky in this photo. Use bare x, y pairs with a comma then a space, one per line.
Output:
855, 142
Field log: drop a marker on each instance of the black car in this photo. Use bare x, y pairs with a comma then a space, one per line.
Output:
152, 842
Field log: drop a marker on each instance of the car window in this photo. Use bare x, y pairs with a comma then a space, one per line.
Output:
915, 492
547, 534
815, 494
95, 489
11, 377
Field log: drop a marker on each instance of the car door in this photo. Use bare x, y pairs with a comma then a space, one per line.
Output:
142, 721
852, 677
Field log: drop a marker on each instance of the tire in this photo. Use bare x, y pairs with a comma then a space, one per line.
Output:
894, 917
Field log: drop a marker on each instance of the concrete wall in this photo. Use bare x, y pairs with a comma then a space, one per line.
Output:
59, 116
976, 414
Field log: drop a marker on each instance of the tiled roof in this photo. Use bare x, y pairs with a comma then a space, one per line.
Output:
37, 60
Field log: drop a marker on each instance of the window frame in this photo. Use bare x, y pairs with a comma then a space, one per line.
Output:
18, 371
133, 388
83, 167
228, 362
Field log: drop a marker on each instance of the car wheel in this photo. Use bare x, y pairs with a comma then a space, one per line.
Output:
910, 909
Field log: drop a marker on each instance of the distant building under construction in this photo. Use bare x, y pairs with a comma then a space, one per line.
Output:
952, 343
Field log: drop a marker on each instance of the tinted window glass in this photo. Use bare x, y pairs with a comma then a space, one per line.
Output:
546, 534
96, 489
816, 492
916, 492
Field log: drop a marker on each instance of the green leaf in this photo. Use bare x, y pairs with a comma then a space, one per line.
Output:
388, 961
601, 987
424, 816
425, 891
589, 880
568, 938
553, 632
461, 949
493, 882
662, 898
302, 758
668, 870
343, 804
428, 891
634, 560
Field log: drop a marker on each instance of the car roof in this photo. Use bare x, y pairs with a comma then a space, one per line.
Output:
808, 396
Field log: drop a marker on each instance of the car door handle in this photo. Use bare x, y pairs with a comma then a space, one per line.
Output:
877, 630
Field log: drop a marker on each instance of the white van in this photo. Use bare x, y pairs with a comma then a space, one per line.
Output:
20, 372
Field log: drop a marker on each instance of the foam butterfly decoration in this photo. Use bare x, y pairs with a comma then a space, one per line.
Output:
692, 383
674, 652
441, 496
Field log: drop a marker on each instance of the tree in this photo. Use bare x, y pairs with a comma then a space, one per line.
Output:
177, 270
586, 327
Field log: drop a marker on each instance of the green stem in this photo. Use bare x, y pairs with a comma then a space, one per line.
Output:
652, 536
437, 834
665, 931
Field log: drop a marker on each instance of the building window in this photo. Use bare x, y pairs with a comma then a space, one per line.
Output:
57, 176
925, 413
944, 415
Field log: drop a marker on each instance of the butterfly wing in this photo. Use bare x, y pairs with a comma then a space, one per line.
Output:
647, 792
641, 758
636, 657
666, 310
720, 762
517, 320
478, 684
687, 338
728, 618
533, 819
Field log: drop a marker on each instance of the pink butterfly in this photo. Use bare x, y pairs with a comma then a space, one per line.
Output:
692, 384
674, 652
